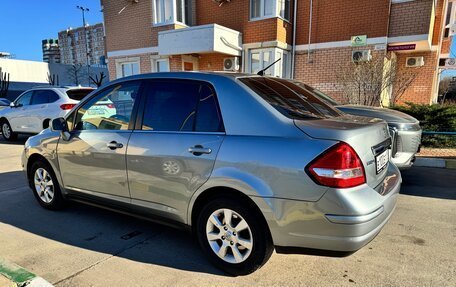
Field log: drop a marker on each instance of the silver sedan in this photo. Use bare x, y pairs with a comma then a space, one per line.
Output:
248, 164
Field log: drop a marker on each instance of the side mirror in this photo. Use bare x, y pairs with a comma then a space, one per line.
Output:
59, 124
12, 105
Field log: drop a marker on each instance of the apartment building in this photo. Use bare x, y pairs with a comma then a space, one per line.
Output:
145, 36
83, 45
51, 50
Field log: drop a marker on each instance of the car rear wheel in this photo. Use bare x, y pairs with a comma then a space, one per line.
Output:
7, 131
45, 186
233, 237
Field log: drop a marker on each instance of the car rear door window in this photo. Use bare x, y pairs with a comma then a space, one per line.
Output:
44, 97
181, 105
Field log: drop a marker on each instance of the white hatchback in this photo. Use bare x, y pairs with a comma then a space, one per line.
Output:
32, 111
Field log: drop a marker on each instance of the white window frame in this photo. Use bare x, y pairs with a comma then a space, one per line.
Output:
275, 9
126, 61
156, 59
173, 19
275, 70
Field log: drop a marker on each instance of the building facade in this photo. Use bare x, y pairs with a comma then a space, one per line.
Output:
51, 50
83, 45
312, 39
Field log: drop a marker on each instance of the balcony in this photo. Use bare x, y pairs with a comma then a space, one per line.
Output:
203, 39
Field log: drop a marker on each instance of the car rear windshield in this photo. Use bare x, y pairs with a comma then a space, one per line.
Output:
291, 98
78, 94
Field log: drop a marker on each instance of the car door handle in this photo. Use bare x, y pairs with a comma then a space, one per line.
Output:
199, 150
114, 145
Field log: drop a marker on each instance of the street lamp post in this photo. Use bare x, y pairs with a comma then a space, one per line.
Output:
83, 11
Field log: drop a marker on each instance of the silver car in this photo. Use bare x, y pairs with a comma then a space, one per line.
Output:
404, 129
249, 164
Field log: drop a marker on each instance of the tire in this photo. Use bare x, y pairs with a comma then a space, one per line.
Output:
7, 131
47, 192
257, 233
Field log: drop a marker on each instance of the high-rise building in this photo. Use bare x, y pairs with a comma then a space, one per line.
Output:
82, 45
51, 50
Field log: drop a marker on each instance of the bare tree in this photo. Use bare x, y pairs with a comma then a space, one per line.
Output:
363, 83
4, 83
76, 73
53, 79
98, 81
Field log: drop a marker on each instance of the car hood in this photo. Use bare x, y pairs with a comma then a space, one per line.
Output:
389, 115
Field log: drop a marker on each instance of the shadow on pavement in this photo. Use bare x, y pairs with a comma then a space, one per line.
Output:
102, 231
21, 139
12, 180
429, 182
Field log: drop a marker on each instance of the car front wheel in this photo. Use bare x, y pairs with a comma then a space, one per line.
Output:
45, 186
233, 236
7, 132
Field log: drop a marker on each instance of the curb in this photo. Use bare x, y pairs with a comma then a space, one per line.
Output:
435, 162
20, 277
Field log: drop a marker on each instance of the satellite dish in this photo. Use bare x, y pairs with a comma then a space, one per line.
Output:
130, 2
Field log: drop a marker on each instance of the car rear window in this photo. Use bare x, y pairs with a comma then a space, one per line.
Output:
291, 98
78, 94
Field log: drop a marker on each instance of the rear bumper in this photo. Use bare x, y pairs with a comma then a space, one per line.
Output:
339, 223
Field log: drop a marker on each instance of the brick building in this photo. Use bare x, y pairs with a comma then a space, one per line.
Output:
76, 43
171, 35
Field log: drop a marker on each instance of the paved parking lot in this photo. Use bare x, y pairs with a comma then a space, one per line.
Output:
86, 246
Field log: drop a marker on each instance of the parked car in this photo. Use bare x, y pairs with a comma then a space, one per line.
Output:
4, 103
247, 163
32, 111
404, 129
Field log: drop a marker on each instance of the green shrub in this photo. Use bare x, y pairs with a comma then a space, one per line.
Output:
436, 118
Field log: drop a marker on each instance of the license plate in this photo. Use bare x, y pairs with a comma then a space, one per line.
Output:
95, 112
381, 161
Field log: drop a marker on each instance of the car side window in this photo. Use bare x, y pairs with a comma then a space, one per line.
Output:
170, 105
110, 110
181, 105
44, 97
24, 100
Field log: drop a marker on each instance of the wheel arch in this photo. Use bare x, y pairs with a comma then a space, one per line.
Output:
222, 192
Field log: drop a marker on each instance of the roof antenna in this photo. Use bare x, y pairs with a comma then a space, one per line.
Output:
261, 73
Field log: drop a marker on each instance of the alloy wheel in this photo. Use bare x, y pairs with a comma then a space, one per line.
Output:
6, 130
229, 236
44, 186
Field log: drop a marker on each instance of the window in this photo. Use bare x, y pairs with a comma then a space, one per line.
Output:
78, 94
291, 98
44, 97
24, 100
171, 11
259, 59
130, 69
109, 110
270, 8
181, 106
161, 65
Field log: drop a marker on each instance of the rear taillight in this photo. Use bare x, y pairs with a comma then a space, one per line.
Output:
67, 106
110, 106
339, 167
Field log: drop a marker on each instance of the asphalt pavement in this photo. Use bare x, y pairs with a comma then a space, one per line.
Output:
86, 246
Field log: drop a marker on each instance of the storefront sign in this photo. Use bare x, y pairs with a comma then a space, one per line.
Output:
401, 47
357, 41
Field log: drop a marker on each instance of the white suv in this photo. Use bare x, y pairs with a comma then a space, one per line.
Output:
32, 111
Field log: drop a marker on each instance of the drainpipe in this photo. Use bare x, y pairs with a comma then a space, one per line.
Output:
310, 31
293, 51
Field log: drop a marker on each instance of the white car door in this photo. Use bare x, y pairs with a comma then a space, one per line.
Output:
41, 109
17, 115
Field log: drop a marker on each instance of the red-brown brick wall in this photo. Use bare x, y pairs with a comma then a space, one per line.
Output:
446, 43
420, 91
211, 62
439, 18
338, 20
410, 18
235, 15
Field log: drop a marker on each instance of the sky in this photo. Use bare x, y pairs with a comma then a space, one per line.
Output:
24, 23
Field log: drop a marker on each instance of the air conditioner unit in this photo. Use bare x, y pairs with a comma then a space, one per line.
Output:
414, 61
361, 56
231, 64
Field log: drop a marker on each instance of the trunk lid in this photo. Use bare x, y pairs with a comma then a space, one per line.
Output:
369, 137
